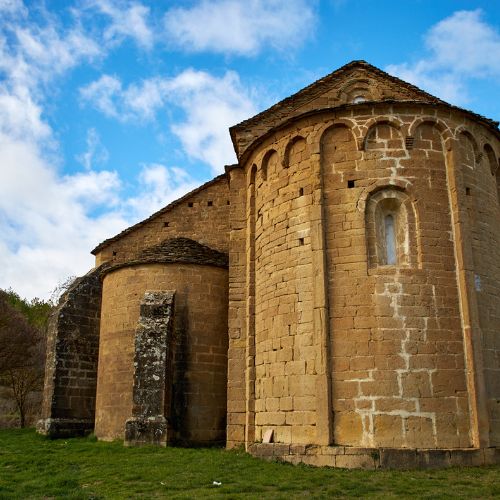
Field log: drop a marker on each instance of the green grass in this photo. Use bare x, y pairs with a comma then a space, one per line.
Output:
32, 466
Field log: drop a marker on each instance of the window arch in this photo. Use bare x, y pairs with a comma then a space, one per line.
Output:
357, 88
384, 136
269, 162
337, 145
391, 229
494, 167
295, 151
467, 149
358, 99
427, 136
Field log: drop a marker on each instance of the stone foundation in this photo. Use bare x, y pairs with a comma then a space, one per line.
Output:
347, 457
65, 427
143, 430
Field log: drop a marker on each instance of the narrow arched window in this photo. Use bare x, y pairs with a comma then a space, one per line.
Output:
359, 99
390, 229
390, 240
391, 232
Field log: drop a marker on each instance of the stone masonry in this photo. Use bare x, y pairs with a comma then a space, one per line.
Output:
337, 291
152, 371
71, 368
195, 378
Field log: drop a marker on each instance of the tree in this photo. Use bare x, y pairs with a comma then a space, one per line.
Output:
23, 327
36, 311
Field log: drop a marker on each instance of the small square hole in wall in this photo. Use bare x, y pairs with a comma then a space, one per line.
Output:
228, 202
467, 191
351, 183
114, 254
166, 224
301, 192
301, 241
210, 203
190, 204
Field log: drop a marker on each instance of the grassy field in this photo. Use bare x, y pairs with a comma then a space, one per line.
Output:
32, 466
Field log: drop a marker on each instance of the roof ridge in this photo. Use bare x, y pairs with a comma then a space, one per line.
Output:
346, 67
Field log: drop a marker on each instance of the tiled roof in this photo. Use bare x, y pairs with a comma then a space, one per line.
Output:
281, 110
177, 250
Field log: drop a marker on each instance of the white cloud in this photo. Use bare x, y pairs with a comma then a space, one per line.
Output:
12, 7
49, 221
144, 99
210, 105
448, 86
52, 54
33, 55
45, 226
459, 47
243, 28
136, 102
96, 153
464, 43
20, 116
103, 93
92, 188
128, 19
159, 185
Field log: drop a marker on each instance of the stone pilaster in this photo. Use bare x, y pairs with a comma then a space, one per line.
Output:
152, 361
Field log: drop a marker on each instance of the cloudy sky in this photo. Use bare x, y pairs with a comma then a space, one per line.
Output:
110, 109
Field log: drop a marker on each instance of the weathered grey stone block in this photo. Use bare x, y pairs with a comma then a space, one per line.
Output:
152, 363
72, 353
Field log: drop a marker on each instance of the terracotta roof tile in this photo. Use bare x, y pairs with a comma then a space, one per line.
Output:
176, 250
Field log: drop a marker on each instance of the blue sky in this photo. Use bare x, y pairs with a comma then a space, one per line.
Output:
110, 109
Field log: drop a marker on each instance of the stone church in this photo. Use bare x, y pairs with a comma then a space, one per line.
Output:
333, 298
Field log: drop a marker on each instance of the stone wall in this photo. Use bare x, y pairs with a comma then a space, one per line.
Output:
396, 347
285, 350
240, 386
481, 223
202, 215
71, 368
152, 392
198, 412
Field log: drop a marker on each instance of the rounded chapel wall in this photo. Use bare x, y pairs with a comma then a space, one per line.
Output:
200, 358
396, 348
481, 211
280, 194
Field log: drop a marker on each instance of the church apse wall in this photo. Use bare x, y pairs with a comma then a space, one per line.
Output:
195, 401
397, 346
374, 190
